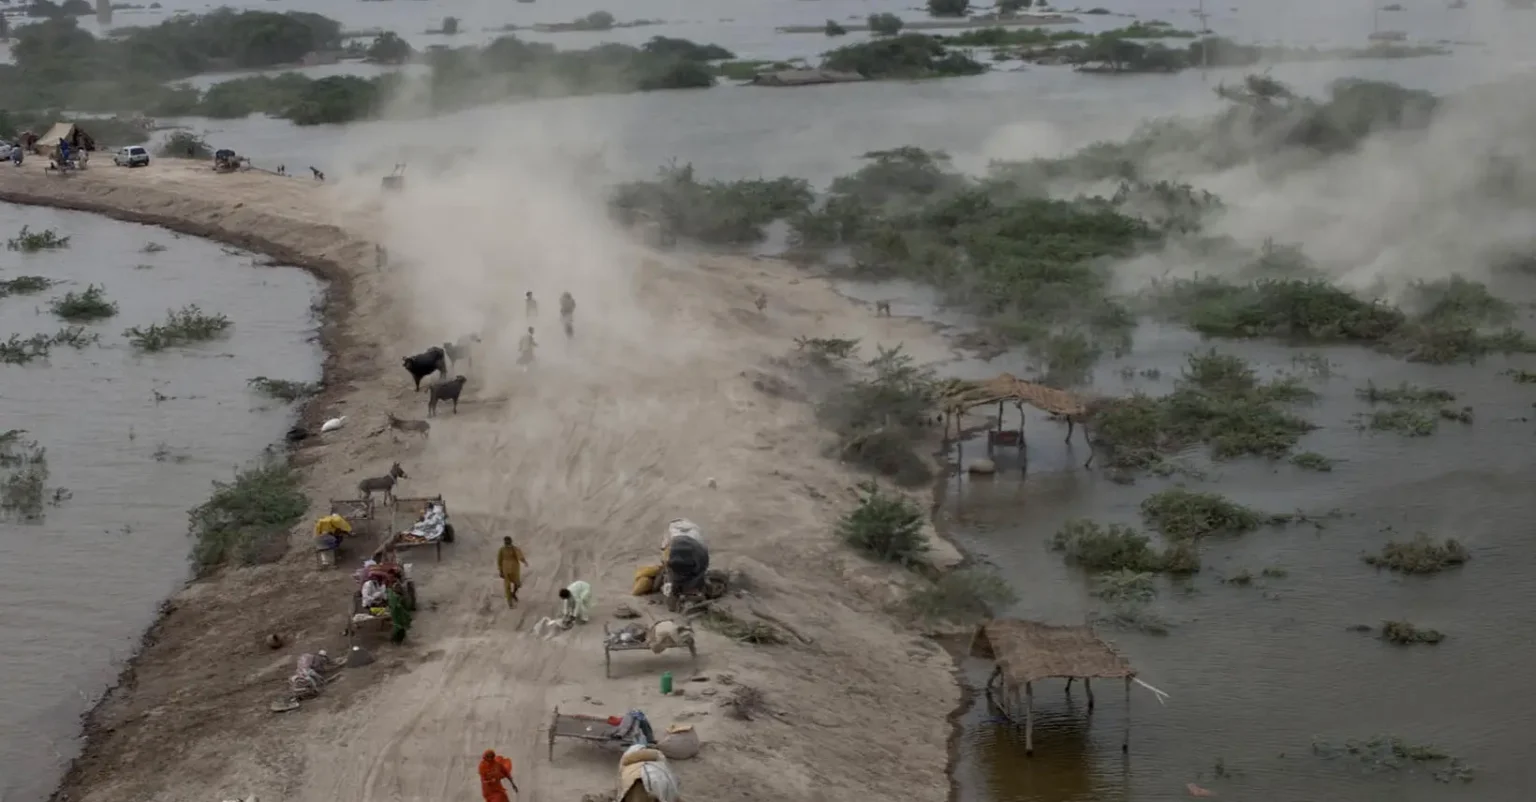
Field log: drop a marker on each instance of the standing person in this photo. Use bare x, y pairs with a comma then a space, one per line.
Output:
530, 306
509, 566
525, 349
568, 314
493, 769
576, 601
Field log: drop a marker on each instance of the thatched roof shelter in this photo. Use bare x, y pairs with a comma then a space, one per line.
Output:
960, 396
1027, 651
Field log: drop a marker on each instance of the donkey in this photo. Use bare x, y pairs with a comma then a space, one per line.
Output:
385, 483
401, 425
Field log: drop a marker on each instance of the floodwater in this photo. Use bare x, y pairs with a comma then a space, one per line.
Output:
1253, 672
135, 439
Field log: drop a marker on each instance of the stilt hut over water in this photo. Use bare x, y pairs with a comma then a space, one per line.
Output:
1027, 652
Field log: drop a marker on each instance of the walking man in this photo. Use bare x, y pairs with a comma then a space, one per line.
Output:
509, 566
525, 350
493, 770
530, 306
568, 314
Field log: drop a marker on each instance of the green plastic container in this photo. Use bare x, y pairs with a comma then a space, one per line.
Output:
666, 683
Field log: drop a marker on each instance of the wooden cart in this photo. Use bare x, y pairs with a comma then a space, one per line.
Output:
404, 514
593, 729
609, 647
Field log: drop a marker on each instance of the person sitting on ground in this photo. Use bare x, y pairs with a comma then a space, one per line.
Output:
576, 602
493, 769
509, 566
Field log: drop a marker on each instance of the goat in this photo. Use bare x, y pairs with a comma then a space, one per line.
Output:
463, 349
882, 308
423, 364
761, 302
445, 391
401, 425
385, 483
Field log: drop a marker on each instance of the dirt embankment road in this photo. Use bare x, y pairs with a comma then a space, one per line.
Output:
583, 461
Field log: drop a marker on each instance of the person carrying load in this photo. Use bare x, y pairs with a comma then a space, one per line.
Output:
329, 531
493, 770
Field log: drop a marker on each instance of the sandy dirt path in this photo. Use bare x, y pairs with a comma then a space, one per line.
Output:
583, 461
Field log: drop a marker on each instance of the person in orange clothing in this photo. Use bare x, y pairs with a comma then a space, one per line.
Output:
493, 769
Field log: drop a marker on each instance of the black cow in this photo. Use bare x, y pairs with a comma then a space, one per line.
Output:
445, 391
423, 364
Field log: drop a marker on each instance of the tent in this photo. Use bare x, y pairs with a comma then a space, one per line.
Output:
76, 136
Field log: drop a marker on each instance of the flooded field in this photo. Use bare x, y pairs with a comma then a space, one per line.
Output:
1255, 670
132, 441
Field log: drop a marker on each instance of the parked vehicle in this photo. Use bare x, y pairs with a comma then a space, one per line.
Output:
131, 156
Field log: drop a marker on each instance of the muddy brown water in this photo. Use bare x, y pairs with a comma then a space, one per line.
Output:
80, 587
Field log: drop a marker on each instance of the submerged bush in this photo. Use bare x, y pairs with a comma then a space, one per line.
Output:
889, 528
1184, 515
247, 520
84, 307
183, 326
29, 241
1421, 555
23, 476
1098, 549
283, 389
1404, 633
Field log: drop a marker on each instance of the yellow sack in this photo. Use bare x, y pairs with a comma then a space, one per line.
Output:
643, 586
641, 756
647, 571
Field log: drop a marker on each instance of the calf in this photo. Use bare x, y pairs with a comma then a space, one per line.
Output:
445, 391
385, 483
462, 349
423, 364
401, 425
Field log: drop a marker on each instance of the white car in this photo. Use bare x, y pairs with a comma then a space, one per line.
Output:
131, 156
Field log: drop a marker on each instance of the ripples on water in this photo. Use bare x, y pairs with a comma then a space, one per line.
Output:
80, 588
1254, 672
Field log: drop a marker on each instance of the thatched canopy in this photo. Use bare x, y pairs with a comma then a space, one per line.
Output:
960, 396
1027, 651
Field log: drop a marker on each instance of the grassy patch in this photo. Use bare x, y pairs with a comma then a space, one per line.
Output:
1392, 753
23, 477
1183, 515
84, 307
25, 285
1404, 633
1312, 461
1124, 586
889, 528
283, 389
152, 247
966, 595
247, 521
1131, 618
29, 241
183, 326
1520, 376
1413, 412
1219, 401
1457, 320
1098, 549
1421, 555
1404, 394
1405, 421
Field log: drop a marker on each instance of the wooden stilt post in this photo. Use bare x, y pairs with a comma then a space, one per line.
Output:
1019, 406
1069, 685
1125, 743
1029, 718
1088, 686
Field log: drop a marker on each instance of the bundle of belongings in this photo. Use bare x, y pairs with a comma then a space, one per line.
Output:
686, 558
307, 680
660, 636
644, 776
429, 528
329, 531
